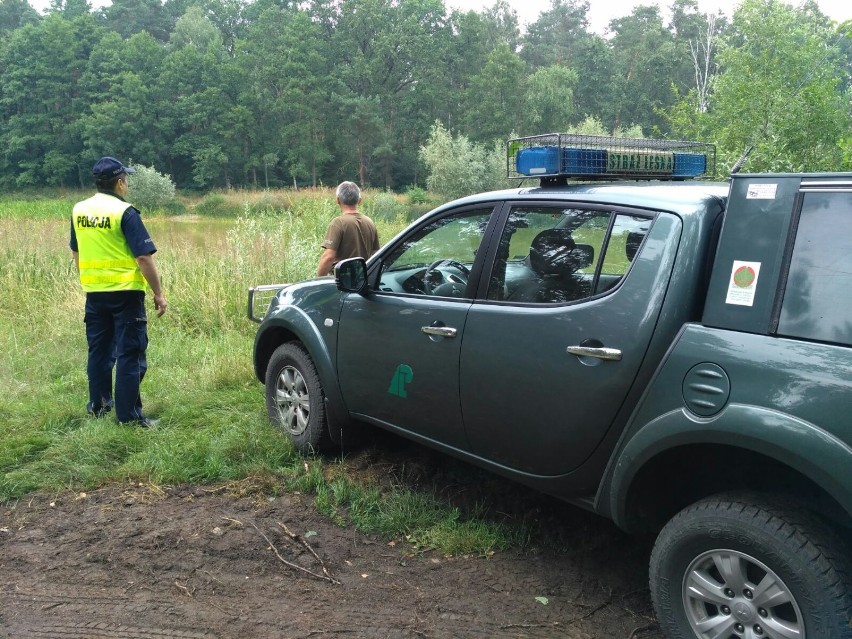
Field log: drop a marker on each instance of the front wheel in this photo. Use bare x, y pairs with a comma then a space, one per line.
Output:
295, 400
739, 567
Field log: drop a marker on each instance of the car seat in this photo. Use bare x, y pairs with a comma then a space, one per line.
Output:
634, 241
555, 258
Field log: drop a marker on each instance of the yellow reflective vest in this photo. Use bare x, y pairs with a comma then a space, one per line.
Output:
106, 262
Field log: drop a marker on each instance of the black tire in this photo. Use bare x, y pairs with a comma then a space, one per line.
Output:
295, 400
756, 542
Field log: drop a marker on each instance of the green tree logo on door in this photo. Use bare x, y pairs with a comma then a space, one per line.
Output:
401, 377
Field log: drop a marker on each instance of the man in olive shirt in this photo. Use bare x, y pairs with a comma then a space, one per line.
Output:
351, 234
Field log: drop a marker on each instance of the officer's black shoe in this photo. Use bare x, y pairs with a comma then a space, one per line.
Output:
100, 411
143, 422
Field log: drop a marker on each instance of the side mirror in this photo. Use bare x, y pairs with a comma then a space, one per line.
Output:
351, 275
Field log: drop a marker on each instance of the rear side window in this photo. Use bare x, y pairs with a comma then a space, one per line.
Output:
550, 255
628, 233
817, 301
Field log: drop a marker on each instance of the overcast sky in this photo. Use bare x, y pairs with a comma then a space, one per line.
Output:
602, 11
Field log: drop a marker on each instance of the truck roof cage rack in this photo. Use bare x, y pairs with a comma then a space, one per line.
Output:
557, 157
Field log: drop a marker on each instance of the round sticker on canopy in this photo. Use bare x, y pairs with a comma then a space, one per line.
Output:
743, 283
744, 276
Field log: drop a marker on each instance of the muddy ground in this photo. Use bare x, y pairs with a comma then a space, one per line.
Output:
232, 562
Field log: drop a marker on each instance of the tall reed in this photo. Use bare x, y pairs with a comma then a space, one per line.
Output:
200, 381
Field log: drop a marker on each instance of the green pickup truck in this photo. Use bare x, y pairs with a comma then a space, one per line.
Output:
674, 355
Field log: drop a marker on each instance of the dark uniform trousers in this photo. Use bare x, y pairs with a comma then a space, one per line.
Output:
117, 333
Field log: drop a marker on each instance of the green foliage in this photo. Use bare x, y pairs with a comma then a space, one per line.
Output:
217, 205
417, 195
560, 36
265, 94
458, 167
557, 36
15, 14
383, 206
550, 99
778, 92
268, 202
387, 50
593, 126
590, 126
495, 97
172, 207
40, 108
194, 29
419, 517
150, 189
845, 146
200, 383
644, 63
38, 207
210, 164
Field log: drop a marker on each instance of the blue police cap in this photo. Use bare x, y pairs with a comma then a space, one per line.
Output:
107, 168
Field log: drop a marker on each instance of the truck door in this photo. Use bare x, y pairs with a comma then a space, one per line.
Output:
398, 347
550, 355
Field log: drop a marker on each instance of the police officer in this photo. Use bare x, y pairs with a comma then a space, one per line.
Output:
115, 258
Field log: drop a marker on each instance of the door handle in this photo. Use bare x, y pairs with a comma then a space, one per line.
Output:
608, 354
440, 331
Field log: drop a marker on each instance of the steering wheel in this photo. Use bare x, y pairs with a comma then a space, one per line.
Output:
433, 277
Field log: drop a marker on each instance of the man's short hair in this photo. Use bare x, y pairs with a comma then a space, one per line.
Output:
107, 184
348, 193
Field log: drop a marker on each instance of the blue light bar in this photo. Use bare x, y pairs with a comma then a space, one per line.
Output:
598, 157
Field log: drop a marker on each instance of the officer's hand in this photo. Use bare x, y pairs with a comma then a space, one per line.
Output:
160, 304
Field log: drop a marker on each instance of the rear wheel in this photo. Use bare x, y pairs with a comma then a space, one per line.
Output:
739, 567
295, 400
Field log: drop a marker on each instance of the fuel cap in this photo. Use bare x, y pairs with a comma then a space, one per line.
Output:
706, 389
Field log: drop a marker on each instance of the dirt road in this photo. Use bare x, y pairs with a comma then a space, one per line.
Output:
138, 562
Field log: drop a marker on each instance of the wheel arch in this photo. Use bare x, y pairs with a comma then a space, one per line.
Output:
292, 324
265, 344
675, 461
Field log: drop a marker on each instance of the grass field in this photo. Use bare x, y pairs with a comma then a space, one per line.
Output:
200, 382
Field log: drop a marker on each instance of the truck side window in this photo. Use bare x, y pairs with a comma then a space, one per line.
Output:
436, 260
628, 233
816, 303
548, 255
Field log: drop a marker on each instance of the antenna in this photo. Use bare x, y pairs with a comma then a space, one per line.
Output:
739, 163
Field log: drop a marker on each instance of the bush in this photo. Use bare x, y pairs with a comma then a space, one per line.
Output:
383, 206
417, 195
217, 205
270, 202
150, 189
459, 167
593, 126
175, 207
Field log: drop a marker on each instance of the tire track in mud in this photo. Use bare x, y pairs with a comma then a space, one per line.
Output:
109, 631
62, 616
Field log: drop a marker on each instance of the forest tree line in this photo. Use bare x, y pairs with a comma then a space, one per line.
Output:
227, 93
